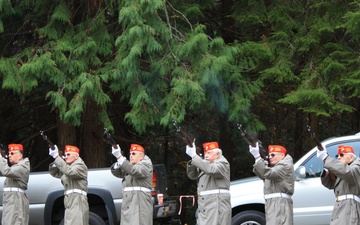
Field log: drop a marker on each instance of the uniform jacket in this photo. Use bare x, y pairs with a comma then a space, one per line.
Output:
73, 176
15, 204
347, 182
277, 179
137, 207
213, 209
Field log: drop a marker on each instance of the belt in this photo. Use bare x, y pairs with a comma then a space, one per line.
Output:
343, 197
75, 191
277, 195
143, 189
14, 189
215, 191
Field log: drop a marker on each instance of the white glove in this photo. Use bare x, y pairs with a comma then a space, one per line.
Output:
322, 154
3, 159
116, 151
121, 160
191, 151
255, 150
54, 153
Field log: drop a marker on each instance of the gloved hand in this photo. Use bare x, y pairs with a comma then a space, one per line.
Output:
116, 151
121, 160
54, 153
255, 150
191, 151
3, 159
322, 154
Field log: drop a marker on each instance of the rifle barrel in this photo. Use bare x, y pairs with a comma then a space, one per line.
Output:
321, 148
312, 134
251, 141
109, 137
51, 145
186, 138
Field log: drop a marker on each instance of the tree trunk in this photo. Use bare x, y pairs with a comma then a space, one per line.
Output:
227, 22
94, 151
66, 135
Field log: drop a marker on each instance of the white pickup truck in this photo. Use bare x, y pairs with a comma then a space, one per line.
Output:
313, 203
46, 197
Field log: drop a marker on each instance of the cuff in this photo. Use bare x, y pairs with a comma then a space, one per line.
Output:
258, 159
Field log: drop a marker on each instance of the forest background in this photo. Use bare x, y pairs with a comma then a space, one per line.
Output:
73, 67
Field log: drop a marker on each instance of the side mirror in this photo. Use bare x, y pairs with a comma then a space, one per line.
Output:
300, 173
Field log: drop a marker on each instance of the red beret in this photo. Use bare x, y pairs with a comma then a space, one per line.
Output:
277, 148
345, 149
136, 147
70, 148
15, 147
210, 146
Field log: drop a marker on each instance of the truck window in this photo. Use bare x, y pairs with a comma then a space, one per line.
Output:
313, 167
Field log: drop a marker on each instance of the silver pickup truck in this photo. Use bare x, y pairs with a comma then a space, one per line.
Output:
46, 195
313, 203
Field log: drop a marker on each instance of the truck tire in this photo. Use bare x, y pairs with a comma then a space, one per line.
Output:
249, 217
94, 219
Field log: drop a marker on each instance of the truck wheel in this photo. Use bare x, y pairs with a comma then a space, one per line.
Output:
94, 219
249, 217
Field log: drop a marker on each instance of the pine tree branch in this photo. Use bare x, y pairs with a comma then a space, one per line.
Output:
168, 21
191, 27
18, 33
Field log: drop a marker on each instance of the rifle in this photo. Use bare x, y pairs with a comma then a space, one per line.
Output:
111, 140
3, 152
109, 137
51, 145
186, 138
317, 142
251, 141
321, 148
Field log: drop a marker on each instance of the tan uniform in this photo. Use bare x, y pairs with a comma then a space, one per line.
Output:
137, 207
346, 211
277, 179
74, 179
15, 202
214, 208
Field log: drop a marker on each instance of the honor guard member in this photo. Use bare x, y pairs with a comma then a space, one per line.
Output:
73, 173
136, 208
346, 184
15, 202
279, 178
213, 175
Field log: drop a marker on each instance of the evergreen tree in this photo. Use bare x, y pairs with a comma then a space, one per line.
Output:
134, 65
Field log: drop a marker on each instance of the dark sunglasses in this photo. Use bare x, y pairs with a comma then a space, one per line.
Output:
68, 154
339, 155
132, 153
272, 155
13, 153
